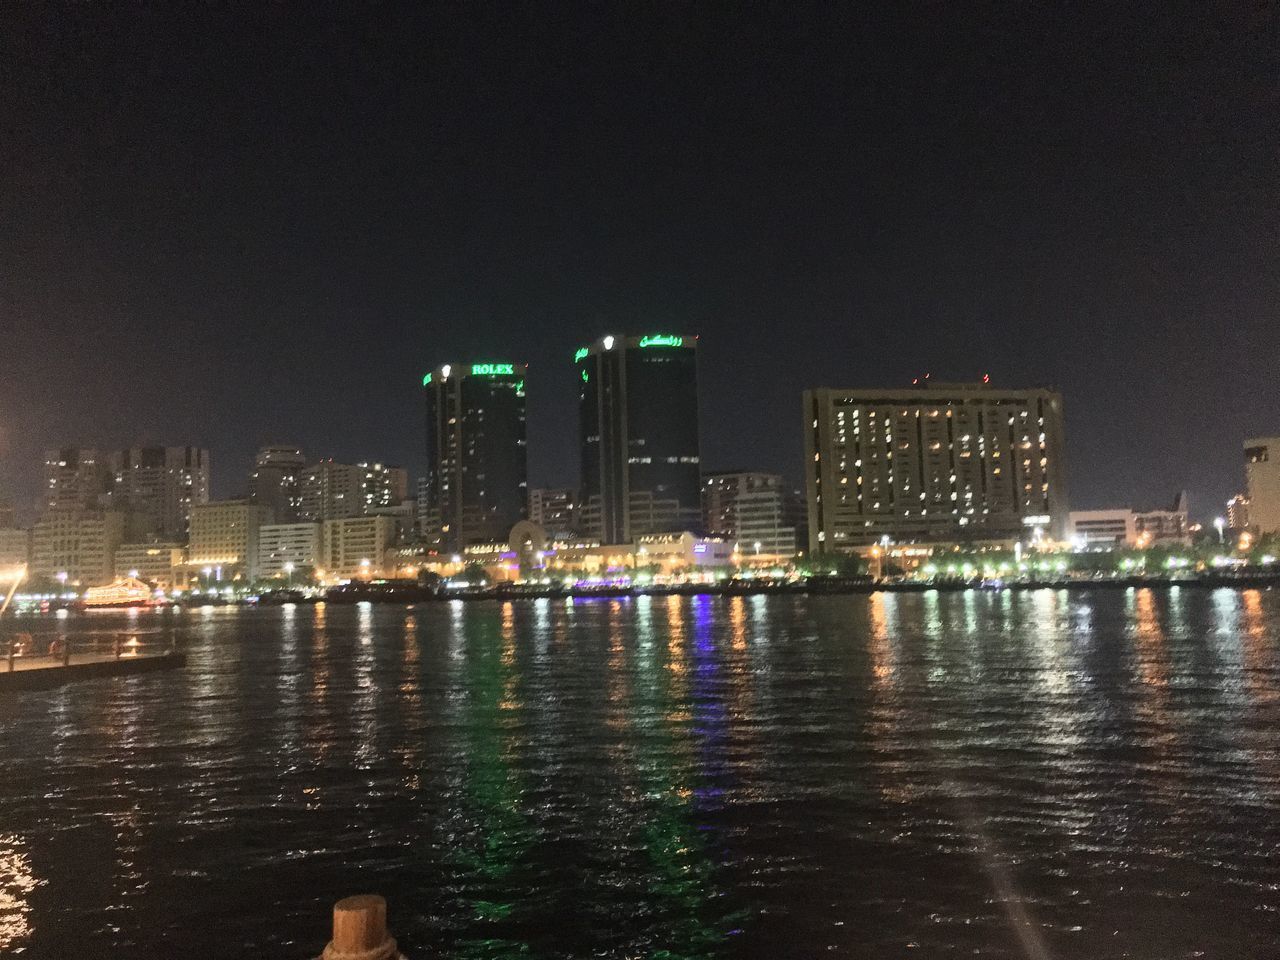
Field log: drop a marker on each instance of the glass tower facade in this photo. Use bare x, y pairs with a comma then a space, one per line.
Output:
638, 423
476, 483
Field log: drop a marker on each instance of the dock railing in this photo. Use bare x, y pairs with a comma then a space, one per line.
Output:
25, 652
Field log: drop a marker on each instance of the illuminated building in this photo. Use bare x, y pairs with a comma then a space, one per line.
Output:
276, 482
1262, 471
159, 564
333, 491
224, 539
1097, 528
1163, 526
75, 478
156, 488
936, 463
76, 547
285, 548
554, 509
1123, 527
1238, 512
638, 426
476, 483
754, 508
356, 546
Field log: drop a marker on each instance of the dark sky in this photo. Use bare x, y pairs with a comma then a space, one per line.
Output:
234, 227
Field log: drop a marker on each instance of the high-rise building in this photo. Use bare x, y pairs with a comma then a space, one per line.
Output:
8, 516
476, 482
554, 509
75, 478
276, 482
942, 462
224, 538
284, 548
1262, 472
76, 547
754, 508
356, 546
156, 487
638, 424
1238, 512
332, 491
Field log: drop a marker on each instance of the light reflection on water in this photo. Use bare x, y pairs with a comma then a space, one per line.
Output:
1076, 775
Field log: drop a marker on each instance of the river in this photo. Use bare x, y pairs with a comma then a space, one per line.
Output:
1041, 774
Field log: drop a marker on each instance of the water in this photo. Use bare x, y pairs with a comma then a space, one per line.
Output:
1086, 775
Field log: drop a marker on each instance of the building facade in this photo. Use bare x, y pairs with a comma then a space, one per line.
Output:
1262, 472
286, 548
276, 482
753, 508
938, 463
158, 564
638, 433
476, 483
76, 547
156, 488
1102, 528
75, 478
356, 547
15, 547
554, 509
224, 539
1238, 512
334, 491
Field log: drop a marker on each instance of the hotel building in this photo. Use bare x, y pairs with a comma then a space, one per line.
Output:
937, 463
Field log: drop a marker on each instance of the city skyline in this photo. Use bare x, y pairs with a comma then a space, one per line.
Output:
260, 251
228, 485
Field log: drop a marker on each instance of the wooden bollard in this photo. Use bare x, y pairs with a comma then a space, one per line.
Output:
360, 930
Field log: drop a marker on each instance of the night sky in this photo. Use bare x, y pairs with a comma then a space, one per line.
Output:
229, 228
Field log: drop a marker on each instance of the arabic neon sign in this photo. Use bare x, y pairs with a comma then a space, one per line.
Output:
582, 352
426, 381
661, 340
492, 369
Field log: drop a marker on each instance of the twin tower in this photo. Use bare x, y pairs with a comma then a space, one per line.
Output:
638, 443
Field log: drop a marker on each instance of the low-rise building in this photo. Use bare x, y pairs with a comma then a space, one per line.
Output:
158, 564
1096, 528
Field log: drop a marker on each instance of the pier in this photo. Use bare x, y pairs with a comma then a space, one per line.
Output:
29, 664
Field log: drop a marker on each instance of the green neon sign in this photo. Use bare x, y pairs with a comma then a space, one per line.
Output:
661, 340
492, 369
582, 352
585, 378
426, 380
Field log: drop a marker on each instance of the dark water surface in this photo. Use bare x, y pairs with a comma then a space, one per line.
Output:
1043, 774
